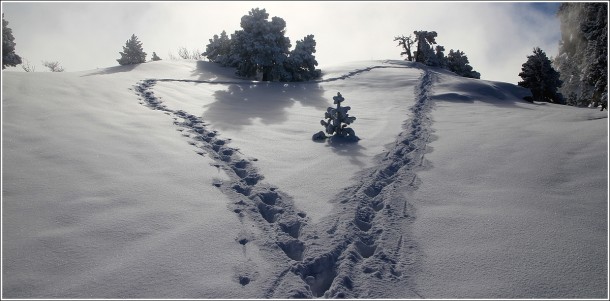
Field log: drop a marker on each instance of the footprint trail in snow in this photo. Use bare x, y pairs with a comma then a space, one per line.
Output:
356, 251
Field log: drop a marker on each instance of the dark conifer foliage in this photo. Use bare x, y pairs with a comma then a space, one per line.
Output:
132, 53
432, 54
9, 57
540, 77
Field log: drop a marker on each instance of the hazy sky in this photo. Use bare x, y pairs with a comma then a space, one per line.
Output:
496, 36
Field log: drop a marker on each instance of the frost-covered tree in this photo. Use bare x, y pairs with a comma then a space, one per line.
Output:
9, 57
540, 77
261, 45
429, 54
301, 64
219, 49
337, 120
155, 57
425, 51
595, 30
406, 43
440, 56
261, 48
457, 62
582, 58
132, 53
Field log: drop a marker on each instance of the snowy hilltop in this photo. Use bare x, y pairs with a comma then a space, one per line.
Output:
177, 179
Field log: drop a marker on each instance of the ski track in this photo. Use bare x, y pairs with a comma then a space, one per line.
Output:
365, 240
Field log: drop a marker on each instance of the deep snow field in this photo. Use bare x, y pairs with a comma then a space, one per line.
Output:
175, 179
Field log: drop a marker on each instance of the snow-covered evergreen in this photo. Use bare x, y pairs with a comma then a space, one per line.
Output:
440, 56
540, 77
425, 51
261, 49
219, 49
9, 57
132, 53
582, 59
301, 65
457, 62
337, 121
261, 45
429, 54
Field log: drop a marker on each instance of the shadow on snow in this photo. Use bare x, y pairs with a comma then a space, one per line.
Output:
240, 104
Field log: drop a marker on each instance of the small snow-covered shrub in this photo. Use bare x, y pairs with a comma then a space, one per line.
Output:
155, 57
337, 121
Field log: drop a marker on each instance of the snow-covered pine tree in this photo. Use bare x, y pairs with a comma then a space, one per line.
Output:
595, 30
261, 46
582, 55
337, 121
9, 57
219, 49
457, 62
441, 60
301, 64
132, 53
155, 57
261, 50
425, 53
540, 77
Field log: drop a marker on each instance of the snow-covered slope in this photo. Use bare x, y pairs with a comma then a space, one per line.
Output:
178, 180
514, 201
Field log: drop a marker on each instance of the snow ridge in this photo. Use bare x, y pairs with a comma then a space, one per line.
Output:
353, 73
368, 246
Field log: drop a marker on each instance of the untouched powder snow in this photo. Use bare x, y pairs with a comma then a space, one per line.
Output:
514, 201
175, 179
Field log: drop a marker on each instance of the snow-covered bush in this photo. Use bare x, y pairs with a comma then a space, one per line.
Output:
53, 66
132, 53
155, 57
337, 121
27, 66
